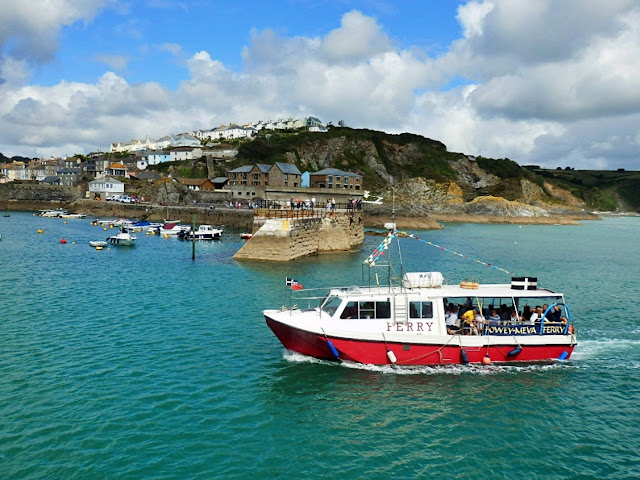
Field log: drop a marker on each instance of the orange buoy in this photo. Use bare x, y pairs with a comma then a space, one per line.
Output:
64, 240
486, 359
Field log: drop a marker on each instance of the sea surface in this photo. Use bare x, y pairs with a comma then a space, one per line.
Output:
141, 363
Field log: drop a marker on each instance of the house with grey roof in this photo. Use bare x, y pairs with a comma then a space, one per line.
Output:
335, 178
100, 188
276, 175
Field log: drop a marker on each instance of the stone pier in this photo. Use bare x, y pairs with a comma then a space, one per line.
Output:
282, 235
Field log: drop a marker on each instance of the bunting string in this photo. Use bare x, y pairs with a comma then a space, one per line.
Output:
380, 250
411, 235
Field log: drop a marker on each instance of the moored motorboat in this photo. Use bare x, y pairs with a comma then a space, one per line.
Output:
73, 215
203, 232
98, 243
246, 236
57, 212
419, 320
123, 237
172, 229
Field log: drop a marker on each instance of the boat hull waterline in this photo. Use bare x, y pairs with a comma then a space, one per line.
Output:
433, 352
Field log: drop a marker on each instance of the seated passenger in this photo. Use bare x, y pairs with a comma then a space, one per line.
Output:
451, 320
493, 316
556, 316
514, 318
479, 322
504, 312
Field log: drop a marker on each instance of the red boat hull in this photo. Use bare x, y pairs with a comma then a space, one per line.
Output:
374, 352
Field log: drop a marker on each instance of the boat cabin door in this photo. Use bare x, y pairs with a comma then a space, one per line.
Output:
401, 309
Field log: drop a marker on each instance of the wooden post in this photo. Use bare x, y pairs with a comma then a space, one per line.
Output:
193, 240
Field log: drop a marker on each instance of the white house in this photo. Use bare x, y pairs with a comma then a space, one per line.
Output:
185, 153
105, 186
152, 158
134, 145
233, 131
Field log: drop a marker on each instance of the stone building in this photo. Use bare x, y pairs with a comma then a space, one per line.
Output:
335, 179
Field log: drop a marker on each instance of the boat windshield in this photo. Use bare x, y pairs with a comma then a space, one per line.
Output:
330, 305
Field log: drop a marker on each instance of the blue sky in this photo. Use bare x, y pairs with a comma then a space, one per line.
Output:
139, 40
537, 81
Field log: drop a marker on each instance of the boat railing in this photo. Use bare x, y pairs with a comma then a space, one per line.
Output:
313, 298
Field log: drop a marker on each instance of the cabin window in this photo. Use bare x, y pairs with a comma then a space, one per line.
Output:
367, 310
350, 311
420, 310
331, 305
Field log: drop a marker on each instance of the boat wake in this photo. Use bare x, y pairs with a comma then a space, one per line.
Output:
476, 369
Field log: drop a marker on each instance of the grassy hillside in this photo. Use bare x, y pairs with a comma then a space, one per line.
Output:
602, 190
379, 157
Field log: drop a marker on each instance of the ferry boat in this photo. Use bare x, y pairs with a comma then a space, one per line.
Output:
405, 321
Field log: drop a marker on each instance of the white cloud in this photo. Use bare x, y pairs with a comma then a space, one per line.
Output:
31, 28
116, 62
358, 38
551, 83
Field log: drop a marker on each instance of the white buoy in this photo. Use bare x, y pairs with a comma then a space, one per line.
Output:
391, 356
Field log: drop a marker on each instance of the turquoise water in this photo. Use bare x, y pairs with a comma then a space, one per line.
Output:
137, 362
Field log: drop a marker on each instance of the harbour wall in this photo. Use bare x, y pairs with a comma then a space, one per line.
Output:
284, 239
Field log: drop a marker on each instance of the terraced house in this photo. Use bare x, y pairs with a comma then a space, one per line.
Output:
261, 175
335, 178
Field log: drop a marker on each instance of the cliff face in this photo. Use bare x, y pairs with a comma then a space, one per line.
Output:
422, 176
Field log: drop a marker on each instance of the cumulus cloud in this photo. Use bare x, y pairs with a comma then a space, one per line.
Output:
29, 30
549, 83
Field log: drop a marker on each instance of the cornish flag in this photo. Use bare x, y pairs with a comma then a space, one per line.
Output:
524, 283
293, 284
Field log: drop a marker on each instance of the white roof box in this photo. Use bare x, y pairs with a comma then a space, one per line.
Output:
422, 280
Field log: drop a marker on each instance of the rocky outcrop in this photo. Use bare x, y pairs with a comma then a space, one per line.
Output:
172, 193
282, 240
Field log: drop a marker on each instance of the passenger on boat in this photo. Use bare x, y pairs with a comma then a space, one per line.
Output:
493, 316
514, 318
556, 316
526, 313
536, 315
470, 320
466, 306
451, 320
504, 312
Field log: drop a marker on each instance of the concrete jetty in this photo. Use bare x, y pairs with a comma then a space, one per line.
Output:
284, 235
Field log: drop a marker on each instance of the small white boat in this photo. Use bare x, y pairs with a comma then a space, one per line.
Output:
173, 229
246, 236
73, 215
204, 232
58, 212
123, 237
98, 243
